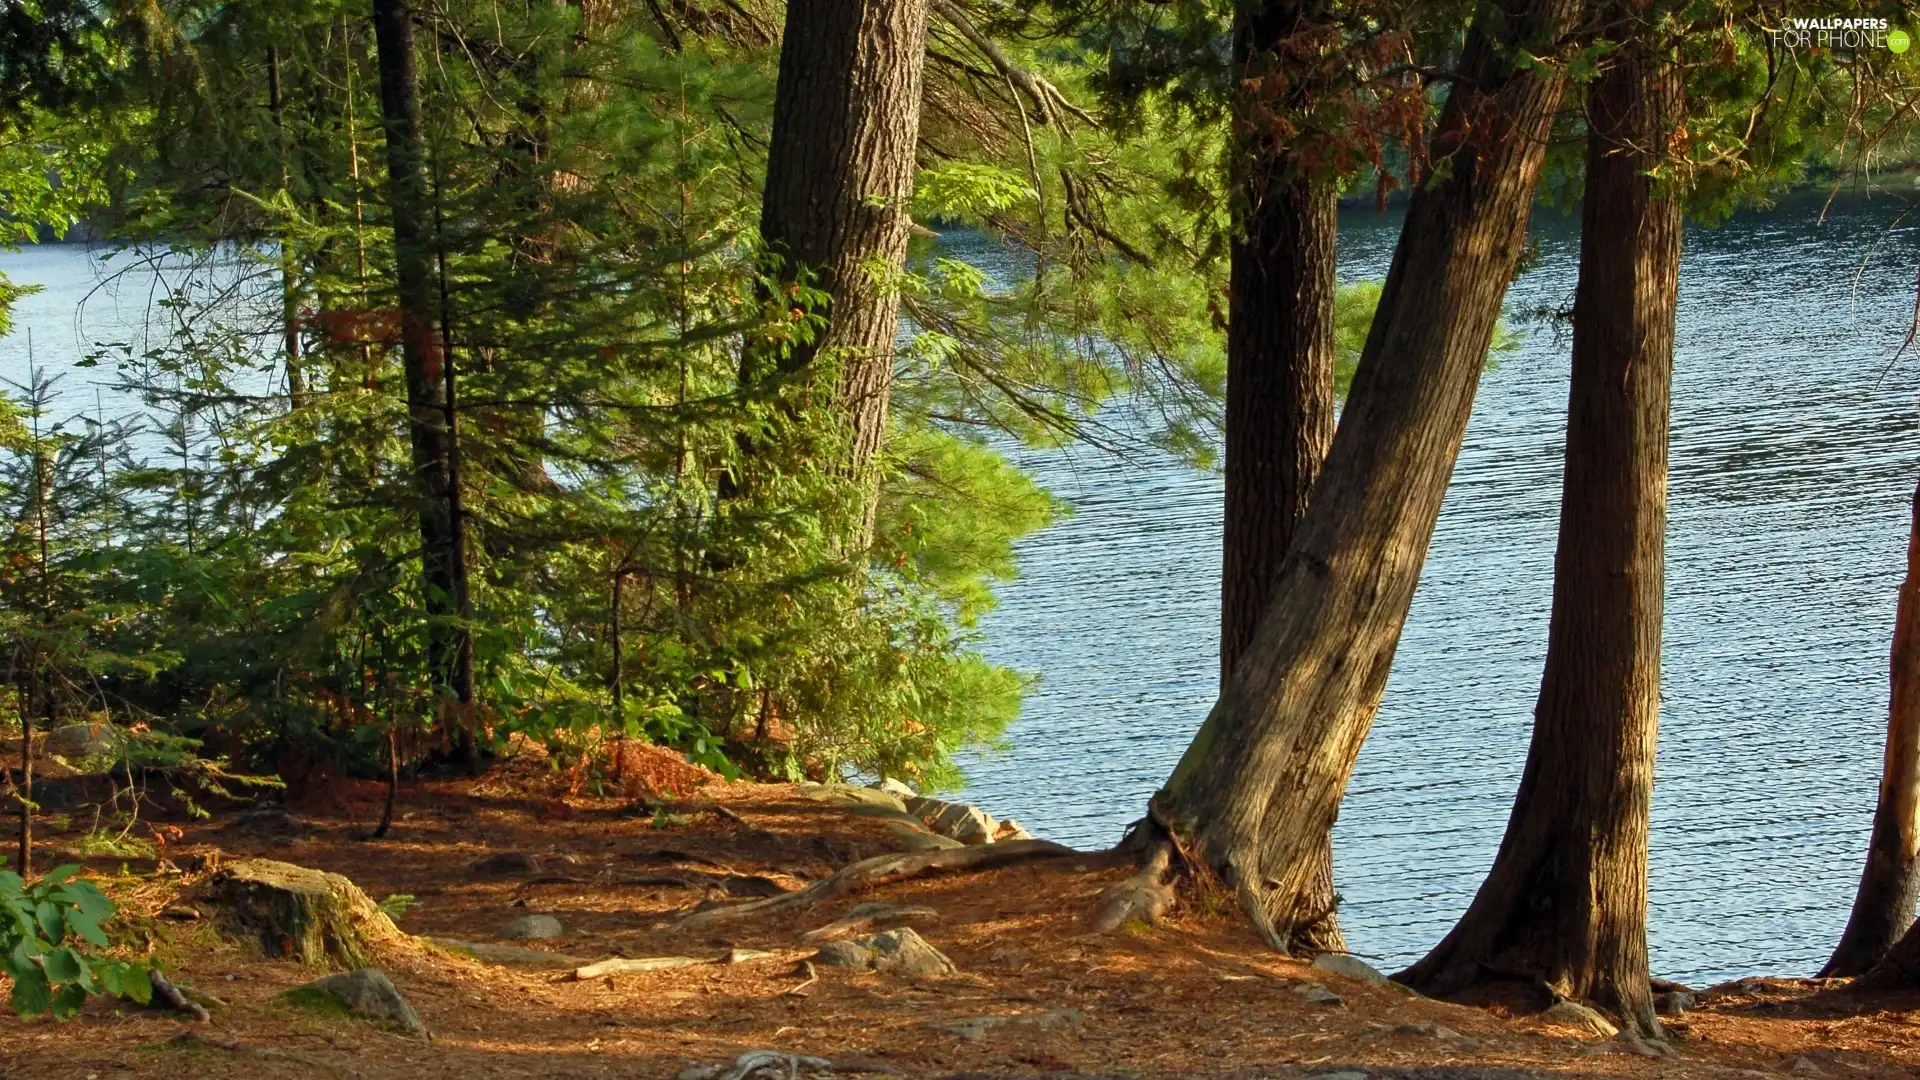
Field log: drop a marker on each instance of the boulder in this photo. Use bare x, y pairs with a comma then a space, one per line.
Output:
862, 916
366, 993
894, 952
1575, 1015
848, 795
90, 740
1011, 830
309, 916
958, 821
534, 928
1350, 966
915, 839
893, 787
1317, 994
1674, 1002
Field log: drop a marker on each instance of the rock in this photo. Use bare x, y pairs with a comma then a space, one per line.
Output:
1011, 830
848, 795
978, 1027
269, 820
534, 928
310, 916
914, 838
845, 954
1344, 1074
1437, 1031
967, 824
507, 862
893, 787
1575, 1015
365, 993
1804, 1066
904, 952
1349, 966
90, 740
895, 952
1316, 994
1674, 1002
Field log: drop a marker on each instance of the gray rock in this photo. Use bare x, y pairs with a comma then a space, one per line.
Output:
1316, 994
848, 795
1674, 1002
1350, 966
91, 740
979, 1027
1437, 1031
904, 952
868, 916
1575, 1015
369, 993
845, 954
967, 824
534, 928
1804, 1066
895, 952
893, 787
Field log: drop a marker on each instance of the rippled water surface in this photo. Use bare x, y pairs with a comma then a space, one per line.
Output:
1794, 457
1793, 461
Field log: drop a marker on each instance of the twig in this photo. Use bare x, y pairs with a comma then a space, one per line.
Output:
813, 976
1044, 94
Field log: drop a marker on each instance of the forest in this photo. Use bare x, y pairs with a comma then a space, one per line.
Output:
599, 384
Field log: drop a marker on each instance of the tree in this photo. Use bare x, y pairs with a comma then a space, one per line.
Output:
1260, 785
1883, 906
1564, 906
840, 173
431, 415
1280, 348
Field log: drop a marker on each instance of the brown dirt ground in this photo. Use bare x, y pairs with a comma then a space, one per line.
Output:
1194, 997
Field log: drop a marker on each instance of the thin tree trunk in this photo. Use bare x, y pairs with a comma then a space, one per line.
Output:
1280, 361
619, 674
840, 169
1564, 907
421, 344
289, 269
26, 785
1260, 785
1883, 908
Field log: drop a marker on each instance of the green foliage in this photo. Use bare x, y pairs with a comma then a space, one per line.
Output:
48, 933
398, 904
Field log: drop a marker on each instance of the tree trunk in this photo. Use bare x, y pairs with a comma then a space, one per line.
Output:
1564, 907
422, 354
840, 170
1280, 361
1259, 787
289, 267
26, 791
1883, 908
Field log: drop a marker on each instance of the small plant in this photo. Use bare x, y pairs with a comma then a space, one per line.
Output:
398, 904
46, 929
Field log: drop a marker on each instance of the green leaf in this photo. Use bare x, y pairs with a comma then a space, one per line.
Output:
31, 995
52, 926
57, 875
65, 966
68, 1001
83, 924
134, 983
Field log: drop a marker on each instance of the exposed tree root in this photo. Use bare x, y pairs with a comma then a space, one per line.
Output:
167, 995
191, 1039
882, 868
1141, 897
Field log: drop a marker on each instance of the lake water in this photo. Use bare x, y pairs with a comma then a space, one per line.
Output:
1793, 463
1795, 452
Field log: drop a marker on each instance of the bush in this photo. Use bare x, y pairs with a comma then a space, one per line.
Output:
46, 931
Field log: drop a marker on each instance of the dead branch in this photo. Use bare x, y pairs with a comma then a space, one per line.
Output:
1046, 97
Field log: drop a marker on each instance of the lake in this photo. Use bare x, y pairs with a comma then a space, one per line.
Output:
1794, 457
1794, 460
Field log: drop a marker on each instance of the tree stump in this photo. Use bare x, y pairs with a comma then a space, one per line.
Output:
309, 916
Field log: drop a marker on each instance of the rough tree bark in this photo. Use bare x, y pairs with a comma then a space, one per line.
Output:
1564, 908
1260, 785
1883, 907
1280, 357
840, 168
443, 563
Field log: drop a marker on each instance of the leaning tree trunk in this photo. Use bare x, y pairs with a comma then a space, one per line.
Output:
1883, 908
1260, 785
840, 169
1564, 907
1280, 358
423, 355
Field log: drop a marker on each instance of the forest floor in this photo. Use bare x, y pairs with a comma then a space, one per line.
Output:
1196, 996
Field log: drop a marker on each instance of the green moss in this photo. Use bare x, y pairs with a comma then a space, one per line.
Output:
318, 1002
